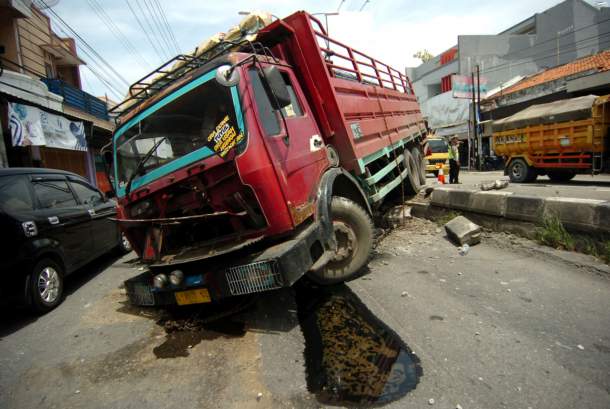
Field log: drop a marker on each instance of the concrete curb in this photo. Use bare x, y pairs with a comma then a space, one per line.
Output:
587, 215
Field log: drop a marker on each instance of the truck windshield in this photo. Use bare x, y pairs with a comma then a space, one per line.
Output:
202, 120
438, 145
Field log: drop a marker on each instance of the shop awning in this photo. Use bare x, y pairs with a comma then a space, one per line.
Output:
28, 89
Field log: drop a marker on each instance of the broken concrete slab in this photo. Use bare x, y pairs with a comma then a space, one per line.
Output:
462, 231
397, 215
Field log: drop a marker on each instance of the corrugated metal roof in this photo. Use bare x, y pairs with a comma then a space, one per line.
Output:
599, 62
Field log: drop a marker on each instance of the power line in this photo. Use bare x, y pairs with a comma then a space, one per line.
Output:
106, 80
151, 30
118, 34
150, 41
82, 40
167, 26
156, 20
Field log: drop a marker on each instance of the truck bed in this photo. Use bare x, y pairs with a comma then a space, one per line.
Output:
364, 107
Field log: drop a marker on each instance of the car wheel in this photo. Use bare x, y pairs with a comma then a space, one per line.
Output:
353, 230
124, 244
46, 286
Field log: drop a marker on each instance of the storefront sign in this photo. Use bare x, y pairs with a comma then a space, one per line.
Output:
462, 86
31, 126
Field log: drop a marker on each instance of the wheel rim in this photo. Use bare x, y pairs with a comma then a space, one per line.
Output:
347, 245
517, 170
48, 284
125, 243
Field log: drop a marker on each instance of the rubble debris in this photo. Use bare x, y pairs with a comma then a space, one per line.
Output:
259, 396
462, 231
495, 185
431, 401
463, 250
396, 215
580, 347
458, 406
404, 294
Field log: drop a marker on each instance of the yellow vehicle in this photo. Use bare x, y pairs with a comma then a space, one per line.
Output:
438, 156
559, 139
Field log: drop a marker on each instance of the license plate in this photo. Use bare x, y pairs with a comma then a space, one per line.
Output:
197, 296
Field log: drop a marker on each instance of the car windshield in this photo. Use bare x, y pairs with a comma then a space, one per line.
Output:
438, 145
203, 118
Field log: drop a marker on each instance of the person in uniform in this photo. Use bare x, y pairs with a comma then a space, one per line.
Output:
454, 160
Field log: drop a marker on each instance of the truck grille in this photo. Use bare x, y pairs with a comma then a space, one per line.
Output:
254, 277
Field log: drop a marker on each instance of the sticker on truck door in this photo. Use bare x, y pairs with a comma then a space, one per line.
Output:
224, 137
356, 130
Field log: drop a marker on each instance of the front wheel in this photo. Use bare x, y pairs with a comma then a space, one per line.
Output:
46, 286
520, 172
353, 231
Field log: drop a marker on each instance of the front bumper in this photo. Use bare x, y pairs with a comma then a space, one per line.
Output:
277, 266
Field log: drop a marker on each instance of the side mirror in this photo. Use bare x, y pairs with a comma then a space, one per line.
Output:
276, 88
227, 76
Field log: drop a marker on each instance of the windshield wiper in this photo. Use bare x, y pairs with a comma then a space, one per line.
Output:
139, 167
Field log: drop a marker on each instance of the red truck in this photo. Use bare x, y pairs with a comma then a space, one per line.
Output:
242, 169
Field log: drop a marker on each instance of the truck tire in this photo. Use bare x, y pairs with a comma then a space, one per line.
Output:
561, 175
411, 182
520, 172
421, 164
353, 230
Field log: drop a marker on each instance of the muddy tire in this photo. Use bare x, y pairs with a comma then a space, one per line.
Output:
124, 245
561, 175
418, 157
412, 181
46, 286
520, 172
353, 229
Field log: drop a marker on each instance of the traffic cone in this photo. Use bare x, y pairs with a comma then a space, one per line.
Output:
441, 176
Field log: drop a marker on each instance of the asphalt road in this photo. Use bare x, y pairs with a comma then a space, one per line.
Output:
582, 186
509, 324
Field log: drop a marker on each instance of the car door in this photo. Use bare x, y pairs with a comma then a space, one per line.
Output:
104, 231
61, 218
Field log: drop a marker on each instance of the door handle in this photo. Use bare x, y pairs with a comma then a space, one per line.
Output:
53, 220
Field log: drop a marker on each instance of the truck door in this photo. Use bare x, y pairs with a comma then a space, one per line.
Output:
294, 143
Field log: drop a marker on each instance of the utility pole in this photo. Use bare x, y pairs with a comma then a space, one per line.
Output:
475, 134
478, 112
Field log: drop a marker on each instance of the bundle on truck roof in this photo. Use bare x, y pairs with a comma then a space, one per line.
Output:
243, 167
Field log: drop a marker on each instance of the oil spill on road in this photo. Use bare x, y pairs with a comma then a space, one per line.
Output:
352, 358
187, 326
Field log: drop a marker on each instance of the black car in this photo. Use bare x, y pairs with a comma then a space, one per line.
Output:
52, 223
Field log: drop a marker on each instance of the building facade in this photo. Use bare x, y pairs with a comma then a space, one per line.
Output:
568, 31
46, 119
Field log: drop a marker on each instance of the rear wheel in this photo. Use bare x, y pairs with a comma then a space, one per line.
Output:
561, 175
421, 164
520, 172
412, 182
353, 231
46, 286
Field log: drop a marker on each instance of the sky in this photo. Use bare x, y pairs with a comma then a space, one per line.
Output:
388, 30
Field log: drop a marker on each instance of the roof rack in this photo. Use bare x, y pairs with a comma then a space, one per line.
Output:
174, 69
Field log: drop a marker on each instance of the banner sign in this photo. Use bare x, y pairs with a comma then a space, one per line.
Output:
31, 126
462, 86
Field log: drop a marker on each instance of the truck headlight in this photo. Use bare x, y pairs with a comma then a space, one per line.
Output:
140, 209
160, 281
176, 277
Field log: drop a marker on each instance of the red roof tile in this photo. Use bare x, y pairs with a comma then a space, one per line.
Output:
600, 62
